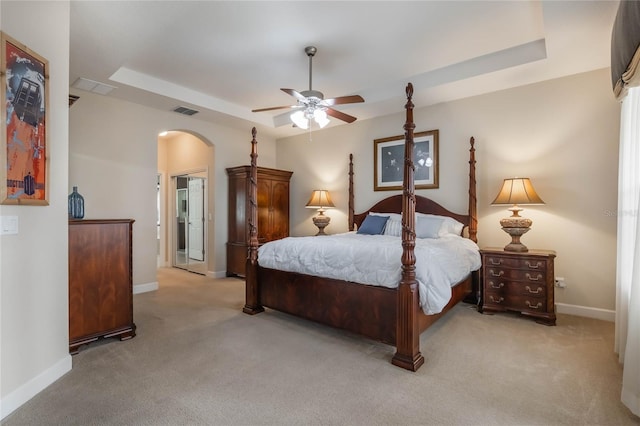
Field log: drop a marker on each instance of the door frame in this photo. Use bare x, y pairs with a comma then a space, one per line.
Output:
172, 231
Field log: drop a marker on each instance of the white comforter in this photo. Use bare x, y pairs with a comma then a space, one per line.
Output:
376, 260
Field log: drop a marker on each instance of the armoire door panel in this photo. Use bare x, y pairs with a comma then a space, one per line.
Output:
273, 211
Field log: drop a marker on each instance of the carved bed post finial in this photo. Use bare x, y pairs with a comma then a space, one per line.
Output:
408, 354
473, 201
252, 302
351, 202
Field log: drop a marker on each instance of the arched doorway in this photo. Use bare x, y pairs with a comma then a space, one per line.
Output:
186, 200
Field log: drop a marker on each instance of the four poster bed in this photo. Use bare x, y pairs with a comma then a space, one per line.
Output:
395, 316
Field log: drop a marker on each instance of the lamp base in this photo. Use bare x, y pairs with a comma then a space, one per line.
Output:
321, 221
516, 226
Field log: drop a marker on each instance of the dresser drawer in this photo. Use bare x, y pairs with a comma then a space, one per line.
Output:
527, 303
496, 274
515, 263
522, 288
515, 302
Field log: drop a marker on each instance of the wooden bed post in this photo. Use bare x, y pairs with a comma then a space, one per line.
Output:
474, 297
351, 202
408, 354
252, 296
473, 214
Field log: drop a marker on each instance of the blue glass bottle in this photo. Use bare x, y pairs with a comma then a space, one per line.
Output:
76, 204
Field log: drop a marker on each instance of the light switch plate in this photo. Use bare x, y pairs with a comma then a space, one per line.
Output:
8, 225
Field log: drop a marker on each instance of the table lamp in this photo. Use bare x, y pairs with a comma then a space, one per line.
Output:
515, 192
320, 200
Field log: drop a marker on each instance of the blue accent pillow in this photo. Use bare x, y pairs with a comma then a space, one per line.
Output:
373, 225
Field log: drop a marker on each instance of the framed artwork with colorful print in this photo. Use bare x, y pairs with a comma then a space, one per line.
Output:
24, 155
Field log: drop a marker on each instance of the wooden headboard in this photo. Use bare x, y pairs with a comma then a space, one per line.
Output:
393, 204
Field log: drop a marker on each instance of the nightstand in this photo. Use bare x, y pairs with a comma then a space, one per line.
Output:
520, 282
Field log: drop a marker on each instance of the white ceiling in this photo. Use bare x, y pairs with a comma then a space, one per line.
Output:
226, 58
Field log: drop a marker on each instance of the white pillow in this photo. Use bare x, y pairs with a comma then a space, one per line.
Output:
393, 228
449, 224
394, 225
392, 216
428, 226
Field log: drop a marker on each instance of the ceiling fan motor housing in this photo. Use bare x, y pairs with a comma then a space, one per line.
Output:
312, 94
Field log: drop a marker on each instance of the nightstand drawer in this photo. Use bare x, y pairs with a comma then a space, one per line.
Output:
523, 263
515, 302
497, 286
515, 274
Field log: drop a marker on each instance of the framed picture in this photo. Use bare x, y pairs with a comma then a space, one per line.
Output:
24, 166
388, 155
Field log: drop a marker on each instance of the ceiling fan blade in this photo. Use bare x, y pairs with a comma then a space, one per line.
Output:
343, 100
272, 108
295, 94
340, 115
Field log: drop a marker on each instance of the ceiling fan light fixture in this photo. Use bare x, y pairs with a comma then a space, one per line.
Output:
298, 118
320, 116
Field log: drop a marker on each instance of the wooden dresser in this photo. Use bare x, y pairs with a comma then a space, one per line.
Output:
273, 212
100, 281
522, 282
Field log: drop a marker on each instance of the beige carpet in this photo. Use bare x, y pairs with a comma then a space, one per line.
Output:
198, 360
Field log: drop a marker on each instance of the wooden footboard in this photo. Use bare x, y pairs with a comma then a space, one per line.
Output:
364, 309
370, 311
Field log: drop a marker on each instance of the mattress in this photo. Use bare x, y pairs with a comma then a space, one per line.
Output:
376, 260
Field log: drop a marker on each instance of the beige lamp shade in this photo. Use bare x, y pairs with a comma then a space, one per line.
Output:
517, 191
320, 199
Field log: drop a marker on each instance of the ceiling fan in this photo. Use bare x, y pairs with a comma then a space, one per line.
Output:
312, 105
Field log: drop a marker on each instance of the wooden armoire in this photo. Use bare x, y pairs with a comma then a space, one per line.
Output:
100, 281
273, 212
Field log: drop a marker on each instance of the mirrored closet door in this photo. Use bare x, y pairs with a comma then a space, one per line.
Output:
190, 213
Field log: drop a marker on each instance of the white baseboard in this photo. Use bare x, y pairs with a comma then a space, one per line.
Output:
24, 393
218, 274
144, 288
585, 311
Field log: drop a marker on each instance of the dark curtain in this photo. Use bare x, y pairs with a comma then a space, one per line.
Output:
625, 44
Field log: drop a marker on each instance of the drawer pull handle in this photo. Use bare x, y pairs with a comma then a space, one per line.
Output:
493, 274
530, 278
492, 285
538, 290
536, 266
500, 300
495, 262
538, 305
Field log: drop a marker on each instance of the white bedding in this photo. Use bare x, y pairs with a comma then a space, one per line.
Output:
376, 260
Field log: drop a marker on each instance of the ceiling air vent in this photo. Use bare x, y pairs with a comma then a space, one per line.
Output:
92, 86
185, 110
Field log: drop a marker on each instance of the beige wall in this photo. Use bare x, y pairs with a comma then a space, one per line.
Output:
113, 159
34, 333
562, 133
